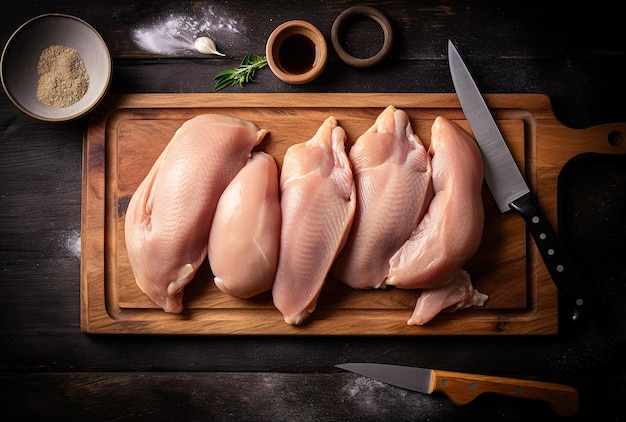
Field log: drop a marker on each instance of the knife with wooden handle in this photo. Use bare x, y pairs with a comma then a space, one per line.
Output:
510, 191
462, 388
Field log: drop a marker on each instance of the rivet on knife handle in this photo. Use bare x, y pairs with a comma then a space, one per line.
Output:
462, 388
558, 262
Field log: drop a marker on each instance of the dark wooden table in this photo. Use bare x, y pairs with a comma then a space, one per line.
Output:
50, 370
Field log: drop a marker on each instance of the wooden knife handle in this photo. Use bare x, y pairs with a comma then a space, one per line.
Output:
462, 388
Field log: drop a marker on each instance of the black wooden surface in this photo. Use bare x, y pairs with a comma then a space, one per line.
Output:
49, 370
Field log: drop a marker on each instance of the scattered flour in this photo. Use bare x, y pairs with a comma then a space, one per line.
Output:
375, 397
366, 393
71, 242
175, 33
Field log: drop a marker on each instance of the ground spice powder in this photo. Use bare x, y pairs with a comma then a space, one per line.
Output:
63, 77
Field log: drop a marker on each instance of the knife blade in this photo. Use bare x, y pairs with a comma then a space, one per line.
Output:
462, 388
509, 189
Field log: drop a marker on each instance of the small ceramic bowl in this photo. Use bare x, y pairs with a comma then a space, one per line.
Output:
21, 56
296, 52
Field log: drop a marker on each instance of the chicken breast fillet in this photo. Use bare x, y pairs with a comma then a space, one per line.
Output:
245, 234
451, 230
458, 294
392, 173
318, 204
169, 216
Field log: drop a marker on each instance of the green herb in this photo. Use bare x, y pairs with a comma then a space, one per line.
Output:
241, 75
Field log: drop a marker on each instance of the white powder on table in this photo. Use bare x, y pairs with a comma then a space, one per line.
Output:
175, 33
72, 241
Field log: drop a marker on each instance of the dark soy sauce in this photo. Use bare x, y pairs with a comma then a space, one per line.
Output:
297, 54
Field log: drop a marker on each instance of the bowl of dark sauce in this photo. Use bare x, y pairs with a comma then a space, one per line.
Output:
296, 52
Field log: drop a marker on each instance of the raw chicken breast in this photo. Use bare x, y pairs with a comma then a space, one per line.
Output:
451, 230
392, 173
458, 294
318, 203
245, 234
169, 216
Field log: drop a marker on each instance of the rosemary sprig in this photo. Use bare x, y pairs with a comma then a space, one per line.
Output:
241, 75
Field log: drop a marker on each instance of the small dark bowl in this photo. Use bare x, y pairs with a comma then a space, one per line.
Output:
276, 41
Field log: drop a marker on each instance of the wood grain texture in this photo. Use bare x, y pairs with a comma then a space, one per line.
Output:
235, 396
50, 370
132, 130
463, 388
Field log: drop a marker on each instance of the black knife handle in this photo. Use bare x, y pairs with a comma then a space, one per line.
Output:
559, 263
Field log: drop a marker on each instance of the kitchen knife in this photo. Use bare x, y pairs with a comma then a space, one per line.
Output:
462, 388
509, 189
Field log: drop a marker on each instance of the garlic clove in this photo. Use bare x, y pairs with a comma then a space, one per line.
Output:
206, 45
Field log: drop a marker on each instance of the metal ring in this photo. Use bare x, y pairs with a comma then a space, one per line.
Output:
368, 12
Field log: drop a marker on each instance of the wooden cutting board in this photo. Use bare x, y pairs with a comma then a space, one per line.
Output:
127, 133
